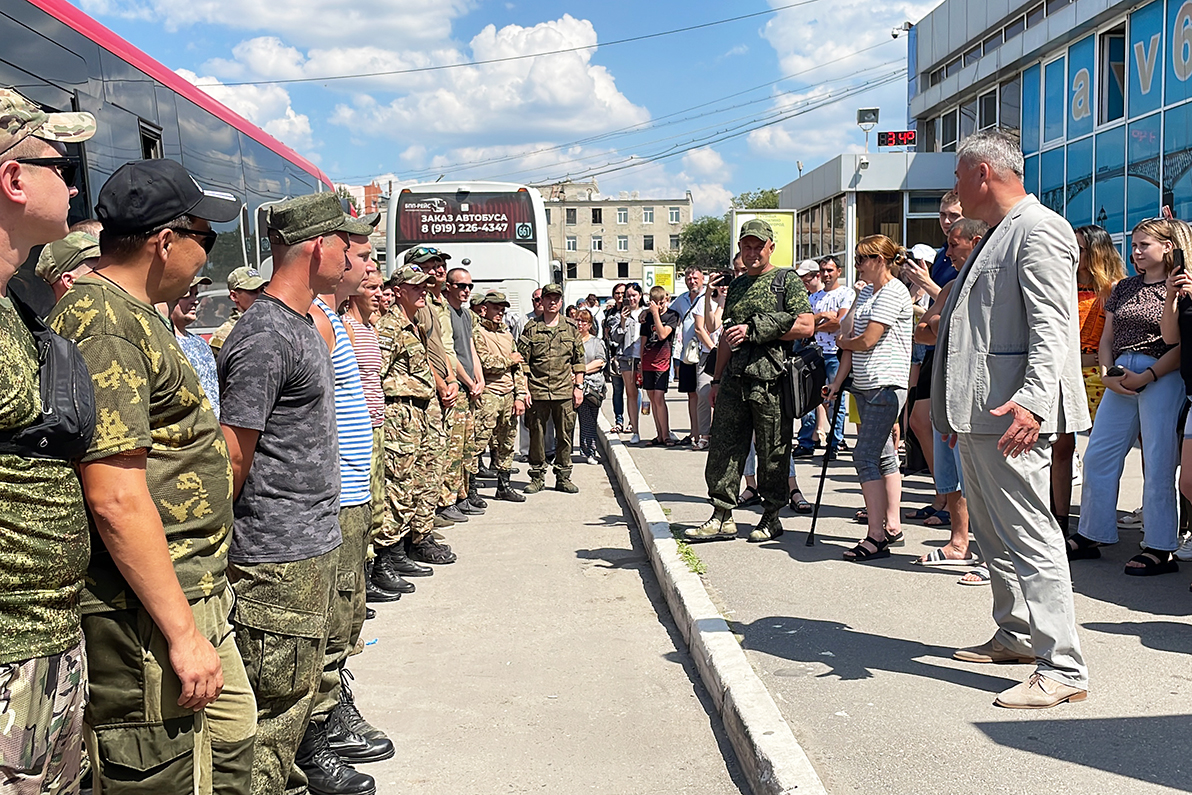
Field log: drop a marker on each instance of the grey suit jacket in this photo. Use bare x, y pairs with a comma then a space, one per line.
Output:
1010, 330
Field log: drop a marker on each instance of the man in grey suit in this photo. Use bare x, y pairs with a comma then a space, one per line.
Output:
1006, 381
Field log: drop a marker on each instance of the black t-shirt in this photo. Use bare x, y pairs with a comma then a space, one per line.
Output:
656, 352
1184, 316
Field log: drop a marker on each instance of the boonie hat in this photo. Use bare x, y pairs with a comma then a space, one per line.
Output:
145, 194
21, 117
196, 281
496, 298
63, 256
420, 254
307, 217
922, 251
807, 267
411, 275
756, 228
552, 289
245, 278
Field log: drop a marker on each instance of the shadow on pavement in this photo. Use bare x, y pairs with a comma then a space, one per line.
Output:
1105, 581
1170, 636
853, 655
1097, 743
614, 558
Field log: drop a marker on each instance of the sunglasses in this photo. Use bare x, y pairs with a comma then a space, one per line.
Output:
66, 167
462, 285
206, 239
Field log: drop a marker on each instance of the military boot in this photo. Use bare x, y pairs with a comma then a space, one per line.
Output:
537, 484
768, 528
505, 491
387, 579
563, 483
374, 592
451, 512
395, 558
720, 527
474, 496
352, 747
326, 773
484, 470
468, 509
427, 550
349, 715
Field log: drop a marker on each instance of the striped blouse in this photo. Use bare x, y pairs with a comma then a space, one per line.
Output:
351, 418
368, 358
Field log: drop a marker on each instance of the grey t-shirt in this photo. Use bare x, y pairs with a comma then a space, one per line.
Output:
461, 333
275, 376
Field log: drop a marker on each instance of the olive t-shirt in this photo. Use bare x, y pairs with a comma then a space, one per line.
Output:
148, 397
276, 377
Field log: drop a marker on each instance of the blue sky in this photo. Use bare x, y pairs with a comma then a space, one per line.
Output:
542, 118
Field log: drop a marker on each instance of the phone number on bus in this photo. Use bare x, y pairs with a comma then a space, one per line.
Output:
463, 229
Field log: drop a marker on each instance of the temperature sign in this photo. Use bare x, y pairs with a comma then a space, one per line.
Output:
898, 138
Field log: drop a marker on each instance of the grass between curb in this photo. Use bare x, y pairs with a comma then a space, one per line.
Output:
694, 564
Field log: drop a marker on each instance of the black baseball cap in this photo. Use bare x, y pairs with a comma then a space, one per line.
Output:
145, 194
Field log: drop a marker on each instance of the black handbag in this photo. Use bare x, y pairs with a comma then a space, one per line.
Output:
805, 374
67, 397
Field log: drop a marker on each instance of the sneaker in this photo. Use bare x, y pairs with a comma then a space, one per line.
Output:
592, 460
635, 439
1185, 550
1131, 521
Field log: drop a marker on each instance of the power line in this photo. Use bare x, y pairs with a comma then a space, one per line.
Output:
506, 59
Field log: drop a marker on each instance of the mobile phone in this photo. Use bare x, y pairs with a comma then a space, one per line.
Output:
1115, 372
1177, 257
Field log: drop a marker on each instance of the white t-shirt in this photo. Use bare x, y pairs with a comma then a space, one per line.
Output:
681, 305
830, 301
888, 363
715, 335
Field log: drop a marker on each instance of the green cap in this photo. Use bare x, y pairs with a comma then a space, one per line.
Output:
552, 289
411, 275
20, 118
63, 256
307, 217
496, 298
756, 228
245, 278
476, 299
361, 225
200, 279
420, 254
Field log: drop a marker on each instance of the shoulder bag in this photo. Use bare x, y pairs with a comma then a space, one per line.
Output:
805, 374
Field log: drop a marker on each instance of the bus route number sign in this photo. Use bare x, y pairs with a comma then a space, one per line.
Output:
524, 232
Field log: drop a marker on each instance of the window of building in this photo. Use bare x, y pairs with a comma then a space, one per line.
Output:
1109, 192
1079, 182
936, 77
674, 242
1111, 104
1055, 5
992, 43
929, 135
1146, 59
972, 56
570, 219
1030, 174
622, 270
597, 243
968, 119
674, 215
548, 216
949, 131
597, 270
1142, 150
880, 213
987, 110
1015, 28
815, 227
1051, 179
1031, 109
597, 215
647, 242
647, 215
572, 243
622, 242
952, 67
622, 215
1177, 141
838, 241
572, 270
1034, 16
1055, 91
804, 239
1009, 113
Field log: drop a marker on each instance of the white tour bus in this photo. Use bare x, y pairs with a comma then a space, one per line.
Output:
497, 230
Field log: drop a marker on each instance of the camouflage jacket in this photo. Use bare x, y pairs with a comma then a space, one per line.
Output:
405, 367
553, 355
495, 347
220, 335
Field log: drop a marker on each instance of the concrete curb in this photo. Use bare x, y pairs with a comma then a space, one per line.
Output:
769, 754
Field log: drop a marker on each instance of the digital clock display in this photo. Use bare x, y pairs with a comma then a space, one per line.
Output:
897, 138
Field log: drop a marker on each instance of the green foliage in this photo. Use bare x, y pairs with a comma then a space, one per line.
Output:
686, 553
761, 199
706, 242
342, 192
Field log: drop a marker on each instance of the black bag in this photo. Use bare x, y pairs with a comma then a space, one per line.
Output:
805, 374
67, 397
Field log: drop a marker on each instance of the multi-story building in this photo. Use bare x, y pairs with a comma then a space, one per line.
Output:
1100, 91
598, 237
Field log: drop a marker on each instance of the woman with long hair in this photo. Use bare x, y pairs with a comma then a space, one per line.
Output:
1144, 393
1100, 268
612, 310
875, 344
595, 356
629, 357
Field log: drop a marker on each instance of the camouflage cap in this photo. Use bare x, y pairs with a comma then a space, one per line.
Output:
756, 228
245, 278
476, 299
496, 298
552, 289
20, 118
200, 279
307, 217
420, 254
411, 275
63, 256
363, 225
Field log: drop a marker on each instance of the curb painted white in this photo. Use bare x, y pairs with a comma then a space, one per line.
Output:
770, 756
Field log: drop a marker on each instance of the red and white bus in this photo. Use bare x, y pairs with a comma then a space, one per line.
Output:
58, 56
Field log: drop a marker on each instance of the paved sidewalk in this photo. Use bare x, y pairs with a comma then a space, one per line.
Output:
543, 661
857, 656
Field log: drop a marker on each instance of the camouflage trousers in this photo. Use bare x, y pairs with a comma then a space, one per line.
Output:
281, 619
347, 605
41, 723
748, 410
376, 487
562, 414
461, 452
497, 426
138, 738
414, 449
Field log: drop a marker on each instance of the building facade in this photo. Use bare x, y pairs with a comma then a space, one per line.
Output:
598, 237
1101, 93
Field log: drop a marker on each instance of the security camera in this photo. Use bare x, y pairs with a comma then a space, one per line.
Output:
863, 162
898, 31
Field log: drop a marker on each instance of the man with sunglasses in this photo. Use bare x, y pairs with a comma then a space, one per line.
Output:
244, 285
461, 480
43, 524
169, 692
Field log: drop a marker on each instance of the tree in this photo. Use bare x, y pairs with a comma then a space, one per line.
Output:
761, 199
342, 192
706, 242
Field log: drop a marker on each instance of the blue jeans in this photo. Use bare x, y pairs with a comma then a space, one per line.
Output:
618, 400
947, 473
751, 464
874, 455
1154, 411
807, 429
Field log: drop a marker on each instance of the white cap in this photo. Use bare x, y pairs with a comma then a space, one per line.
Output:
807, 267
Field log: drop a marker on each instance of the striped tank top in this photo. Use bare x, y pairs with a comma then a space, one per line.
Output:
368, 359
351, 417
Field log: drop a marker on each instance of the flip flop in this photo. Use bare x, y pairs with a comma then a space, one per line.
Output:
980, 576
861, 516
922, 513
940, 519
936, 557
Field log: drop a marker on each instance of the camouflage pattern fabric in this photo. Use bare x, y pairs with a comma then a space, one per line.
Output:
220, 335
281, 620
41, 724
407, 430
310, 216
21, 117
562, 414
485, 418
753, 300
553, 355
377, 487
748, 409
501, 427
459, 452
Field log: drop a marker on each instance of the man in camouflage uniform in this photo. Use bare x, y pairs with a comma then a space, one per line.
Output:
43, 524
461, 480
554, 363
411, 436
244, 285
746, 390
64, 261
504, 395
171, 709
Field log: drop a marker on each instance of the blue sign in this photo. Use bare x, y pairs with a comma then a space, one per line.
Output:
1145, 59
1179, 50
1080, 87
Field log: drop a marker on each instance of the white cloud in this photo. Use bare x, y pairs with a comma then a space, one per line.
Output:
705, 162
266, 106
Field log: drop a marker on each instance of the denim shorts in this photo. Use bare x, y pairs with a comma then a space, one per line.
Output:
946, 473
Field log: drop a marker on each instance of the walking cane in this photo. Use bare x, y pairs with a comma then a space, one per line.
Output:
819, 494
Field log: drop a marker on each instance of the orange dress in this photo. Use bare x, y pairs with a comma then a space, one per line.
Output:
1092, 322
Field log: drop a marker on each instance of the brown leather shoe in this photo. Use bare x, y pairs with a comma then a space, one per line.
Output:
991, 651
1039, 692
